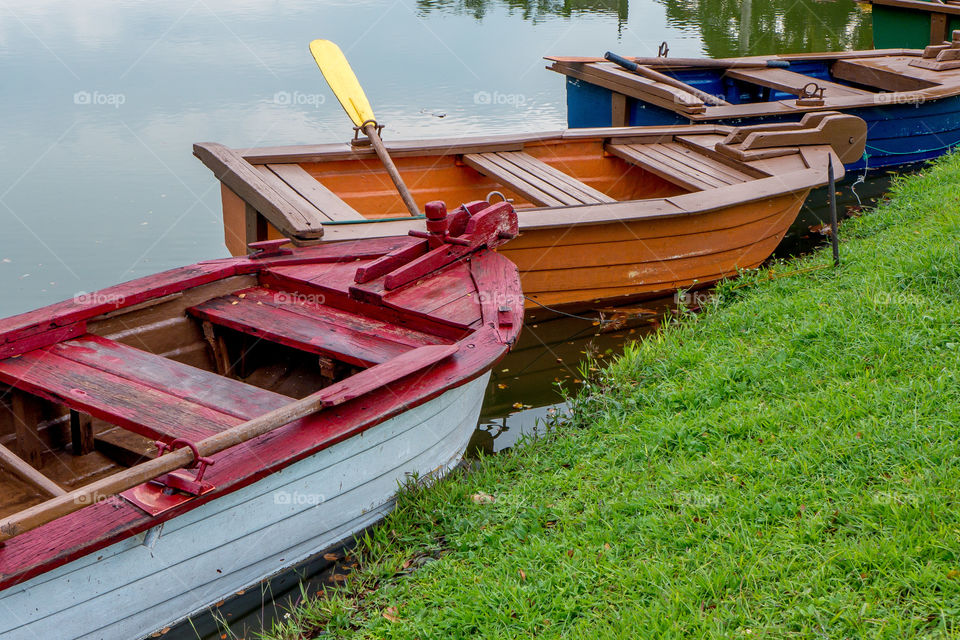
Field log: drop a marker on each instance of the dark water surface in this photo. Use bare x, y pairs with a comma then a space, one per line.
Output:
101, 102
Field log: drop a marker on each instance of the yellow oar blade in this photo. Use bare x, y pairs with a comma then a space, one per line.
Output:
342, 80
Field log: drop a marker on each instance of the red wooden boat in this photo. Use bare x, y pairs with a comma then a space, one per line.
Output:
167, 442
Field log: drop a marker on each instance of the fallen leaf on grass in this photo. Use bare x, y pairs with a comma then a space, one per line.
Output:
482, 498
953, 574
523, 576
331, 556
339, 577
390, 613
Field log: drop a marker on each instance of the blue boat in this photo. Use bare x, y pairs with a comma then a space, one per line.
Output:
910, 99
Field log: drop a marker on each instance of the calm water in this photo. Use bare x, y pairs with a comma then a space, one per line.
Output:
101, 102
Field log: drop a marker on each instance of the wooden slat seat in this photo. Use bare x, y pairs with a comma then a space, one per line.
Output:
534, 179
302, 322
679, 165
303, 190
792, 82
144, 393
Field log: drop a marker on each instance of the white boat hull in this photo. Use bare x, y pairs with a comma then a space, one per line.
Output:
151, 581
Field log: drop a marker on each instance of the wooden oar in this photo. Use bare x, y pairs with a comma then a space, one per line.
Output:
343, 81
699, 63
356, 385
656, 76
709, 63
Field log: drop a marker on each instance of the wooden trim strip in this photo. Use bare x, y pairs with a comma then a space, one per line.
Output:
919, 5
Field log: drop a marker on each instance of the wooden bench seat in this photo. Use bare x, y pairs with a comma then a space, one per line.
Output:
306, 192
792, 82
534, 179
679, 165
302, 322
150, 395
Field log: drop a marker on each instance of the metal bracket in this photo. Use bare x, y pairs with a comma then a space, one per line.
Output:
664, 50
811, 95
269, 249
365, 142
172, 489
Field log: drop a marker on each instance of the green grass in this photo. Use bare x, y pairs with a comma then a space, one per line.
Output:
786, 464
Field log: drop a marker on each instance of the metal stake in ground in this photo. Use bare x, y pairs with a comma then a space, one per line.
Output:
832, 186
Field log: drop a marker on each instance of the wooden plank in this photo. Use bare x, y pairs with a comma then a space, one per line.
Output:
634, 86
64, 320
26, 416
938, 28
119, 401
81, 433
486, 165
243, 179
20, 468
705, 145
303, 332
619, 110
171, 377
705, 164
642, 156
255, 225
544, 184
879, 76
314, 191
791, 82
517, 161
579, 190
289, 194
311, 308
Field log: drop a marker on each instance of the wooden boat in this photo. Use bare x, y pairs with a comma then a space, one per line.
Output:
303, 385
909, 99
605, 215
913, 23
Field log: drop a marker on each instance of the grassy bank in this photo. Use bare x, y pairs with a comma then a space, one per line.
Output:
786, 464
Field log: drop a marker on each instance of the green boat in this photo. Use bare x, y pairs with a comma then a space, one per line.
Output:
913, 24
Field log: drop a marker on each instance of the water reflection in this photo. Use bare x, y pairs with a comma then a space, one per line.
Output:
752, 27
529, 9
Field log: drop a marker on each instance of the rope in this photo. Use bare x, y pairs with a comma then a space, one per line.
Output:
909, 153
562, 313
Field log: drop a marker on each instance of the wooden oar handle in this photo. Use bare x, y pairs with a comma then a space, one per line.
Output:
370, 128
701, 63
656, 76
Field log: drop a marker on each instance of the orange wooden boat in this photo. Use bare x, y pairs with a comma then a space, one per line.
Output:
606, 215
